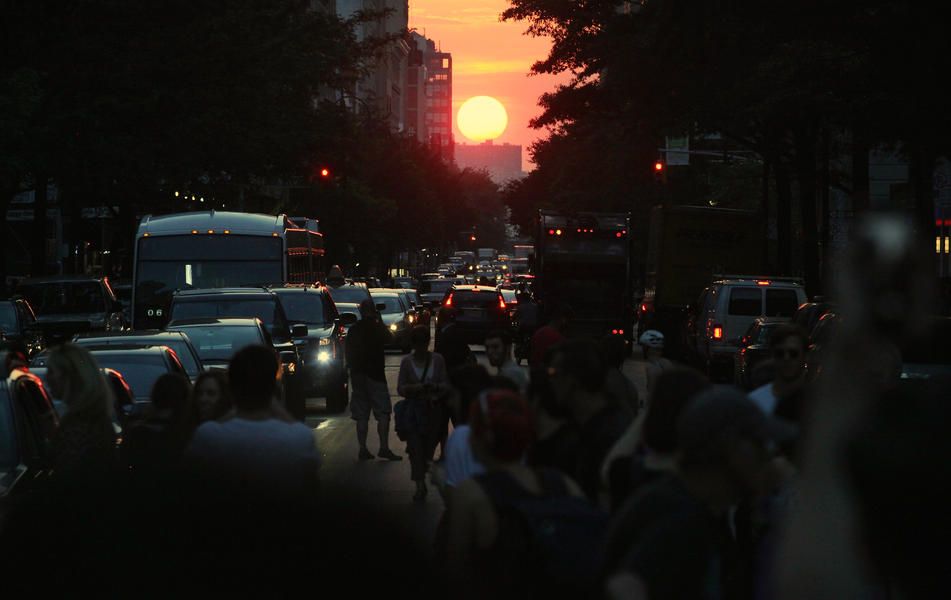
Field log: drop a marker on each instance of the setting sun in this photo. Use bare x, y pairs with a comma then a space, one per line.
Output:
482, 118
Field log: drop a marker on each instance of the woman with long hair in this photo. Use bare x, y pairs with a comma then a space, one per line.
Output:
85, 442
212, 396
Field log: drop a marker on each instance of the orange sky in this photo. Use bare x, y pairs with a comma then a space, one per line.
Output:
490, 58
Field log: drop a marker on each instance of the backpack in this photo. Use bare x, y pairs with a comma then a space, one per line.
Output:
564, 532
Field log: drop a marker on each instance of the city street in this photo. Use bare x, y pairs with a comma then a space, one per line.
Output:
388, 483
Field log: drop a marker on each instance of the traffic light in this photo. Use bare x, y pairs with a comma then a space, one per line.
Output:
324, 173
660, 171
321, 173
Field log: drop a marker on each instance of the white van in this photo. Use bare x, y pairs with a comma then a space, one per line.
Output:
730, 304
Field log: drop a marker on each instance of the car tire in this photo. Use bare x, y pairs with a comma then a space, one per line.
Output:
337, 398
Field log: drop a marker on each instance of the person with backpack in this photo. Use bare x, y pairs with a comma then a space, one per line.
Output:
514, 531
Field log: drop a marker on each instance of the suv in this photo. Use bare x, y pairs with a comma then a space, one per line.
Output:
727, 308
69, 304
248, 303
18, 324
322, 350
479, 310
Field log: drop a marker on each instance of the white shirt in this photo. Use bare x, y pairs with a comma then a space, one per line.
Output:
269, 452
461, 463
764, 398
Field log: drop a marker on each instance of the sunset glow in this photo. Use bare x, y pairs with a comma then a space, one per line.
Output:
490, 58
482, 118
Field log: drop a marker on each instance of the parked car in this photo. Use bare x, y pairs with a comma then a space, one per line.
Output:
27, 423
728, 306
18, 325
480, 309
322, 349
397, 317
176, 340
753, 351
69, 304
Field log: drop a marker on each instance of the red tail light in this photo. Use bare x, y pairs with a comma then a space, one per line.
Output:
448, 301
502, 303
718, 332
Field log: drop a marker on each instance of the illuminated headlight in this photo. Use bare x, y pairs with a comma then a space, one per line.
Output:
410, 318
393, 327
324, 342
323, 356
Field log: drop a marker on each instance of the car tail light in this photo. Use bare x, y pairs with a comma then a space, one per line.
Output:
718, 332
448, 301
502, 303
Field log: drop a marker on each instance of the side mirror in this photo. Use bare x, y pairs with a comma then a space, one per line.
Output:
299, 331
348, 318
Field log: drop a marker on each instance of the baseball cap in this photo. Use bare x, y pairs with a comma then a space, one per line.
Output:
717, 415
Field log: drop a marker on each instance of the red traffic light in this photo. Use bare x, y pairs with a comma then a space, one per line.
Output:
658, 166
325, 172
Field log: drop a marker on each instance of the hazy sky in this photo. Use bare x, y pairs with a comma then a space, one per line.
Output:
490, 58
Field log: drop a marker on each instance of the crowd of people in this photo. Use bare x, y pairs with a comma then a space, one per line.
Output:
559, 482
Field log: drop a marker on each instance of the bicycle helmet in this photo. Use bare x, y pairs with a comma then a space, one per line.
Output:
652, 339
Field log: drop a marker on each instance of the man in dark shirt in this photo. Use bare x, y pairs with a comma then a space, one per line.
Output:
366, 340
672, 540
449, 343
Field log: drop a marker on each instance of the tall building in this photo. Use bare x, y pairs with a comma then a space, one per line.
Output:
382, 89
502, 161
429, 95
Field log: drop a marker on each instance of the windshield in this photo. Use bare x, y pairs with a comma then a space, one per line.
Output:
170, 263
350, 294
392, 303
476, 299
139, 370
265, 309
435, 286
65, 297
8, 317
220, 343
508, 295
306, 308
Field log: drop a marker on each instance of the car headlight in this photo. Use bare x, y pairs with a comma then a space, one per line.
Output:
410, 318
393, 327
324, 342
323, 356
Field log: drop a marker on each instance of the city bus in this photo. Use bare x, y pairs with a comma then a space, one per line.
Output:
218, 249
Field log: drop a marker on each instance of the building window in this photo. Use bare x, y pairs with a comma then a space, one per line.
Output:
445, 63
442, 77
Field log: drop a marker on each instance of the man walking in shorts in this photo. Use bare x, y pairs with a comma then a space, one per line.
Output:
368, 391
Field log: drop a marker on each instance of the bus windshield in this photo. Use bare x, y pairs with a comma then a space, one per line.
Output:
169, 263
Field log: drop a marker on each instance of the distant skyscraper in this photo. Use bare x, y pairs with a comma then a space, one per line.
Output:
502, 161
